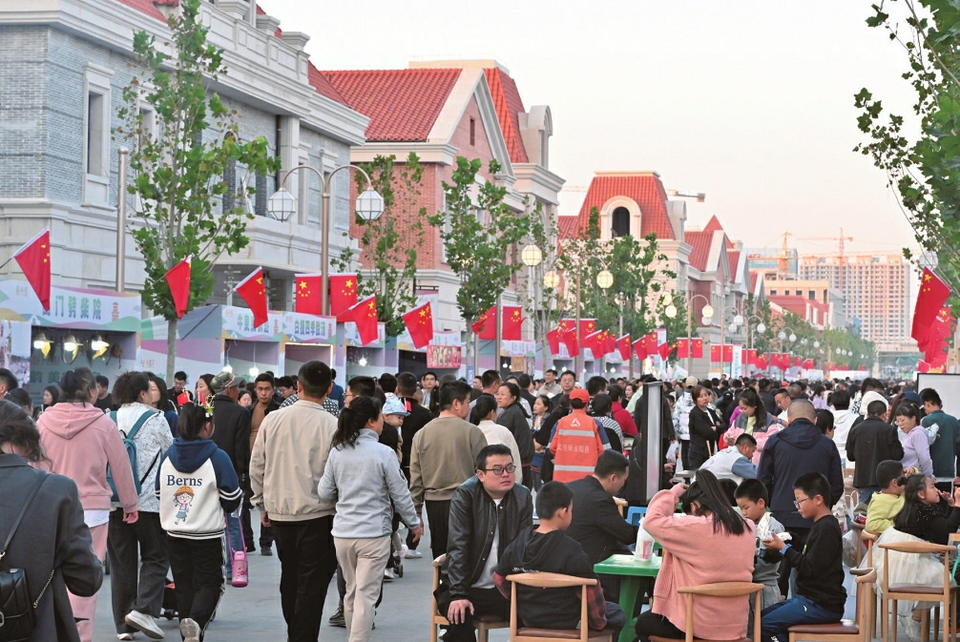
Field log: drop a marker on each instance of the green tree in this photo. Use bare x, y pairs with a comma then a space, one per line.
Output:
542, 302
183, 201
921, 163
392, 242
480, 234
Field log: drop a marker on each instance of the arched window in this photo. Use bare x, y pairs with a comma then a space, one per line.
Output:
621, 222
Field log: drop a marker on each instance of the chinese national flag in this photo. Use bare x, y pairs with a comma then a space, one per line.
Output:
761, 363
486, 326
553, 339
728, 353
419, 322
683, 348
933, 294
568, 336
664, 349
807, 364
942, 328
623, 346
308, 294
252, 291
511, 326
594, 341
697, 348
640, 348
343, 292
797, 361
178, 278
34, 259
923, 366
587, 326
751, 357
716, 353
364, 314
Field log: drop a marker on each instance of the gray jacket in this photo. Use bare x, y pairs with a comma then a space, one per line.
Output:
367, 485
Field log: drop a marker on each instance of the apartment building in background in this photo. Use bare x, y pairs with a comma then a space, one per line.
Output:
875, 290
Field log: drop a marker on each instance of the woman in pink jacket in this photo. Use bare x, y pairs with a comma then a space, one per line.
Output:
690, 543
79, 442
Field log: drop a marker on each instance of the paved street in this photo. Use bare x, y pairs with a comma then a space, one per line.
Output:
253, 613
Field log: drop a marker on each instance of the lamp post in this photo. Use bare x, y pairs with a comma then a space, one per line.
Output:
760, 327
737, 320
551, 279
532, 256
604, 281
282, 205
783, 336
706, 311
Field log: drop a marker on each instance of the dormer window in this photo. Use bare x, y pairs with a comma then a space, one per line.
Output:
621, 222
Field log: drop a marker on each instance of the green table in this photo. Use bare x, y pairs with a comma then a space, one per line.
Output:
630, 569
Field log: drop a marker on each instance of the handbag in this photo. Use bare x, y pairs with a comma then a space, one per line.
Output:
238, 563
17, 611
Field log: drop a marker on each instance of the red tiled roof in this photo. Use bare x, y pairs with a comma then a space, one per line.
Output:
733, 258
402, 104
323, 86
645, 188
569, 226
146, 7
507, 101
700, 242
713, 225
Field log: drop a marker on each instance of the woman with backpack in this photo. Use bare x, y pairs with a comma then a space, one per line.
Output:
50, 544
79, 442
137, 595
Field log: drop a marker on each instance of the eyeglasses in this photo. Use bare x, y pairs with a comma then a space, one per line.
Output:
499, 470
797, 502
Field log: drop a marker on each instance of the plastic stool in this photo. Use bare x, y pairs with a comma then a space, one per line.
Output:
635, 513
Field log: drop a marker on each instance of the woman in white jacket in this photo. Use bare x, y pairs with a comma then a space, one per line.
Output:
363, 476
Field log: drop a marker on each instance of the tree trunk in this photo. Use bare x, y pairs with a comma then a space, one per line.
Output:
171, 349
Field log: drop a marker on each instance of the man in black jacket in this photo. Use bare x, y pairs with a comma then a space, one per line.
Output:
597, 524
233, 437
485, 510
871, 441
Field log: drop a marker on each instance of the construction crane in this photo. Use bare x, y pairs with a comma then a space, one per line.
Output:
841, 260
700, 196
783, 264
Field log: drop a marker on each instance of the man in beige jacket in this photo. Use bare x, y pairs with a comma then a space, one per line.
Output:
291, 441
442, 457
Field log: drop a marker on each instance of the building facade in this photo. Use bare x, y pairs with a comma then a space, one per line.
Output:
875, 290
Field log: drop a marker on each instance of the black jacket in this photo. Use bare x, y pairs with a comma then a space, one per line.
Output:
597, 523
797, 449
232, 431
412, 423
52, 536
470, 538
868, 443
514, 419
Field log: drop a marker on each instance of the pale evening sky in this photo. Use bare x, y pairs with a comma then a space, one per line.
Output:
750, 102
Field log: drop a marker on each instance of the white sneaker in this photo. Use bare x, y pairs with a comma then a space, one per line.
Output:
911, 627
124, 636
147, 624
403, 551
413, 555
190, 630
388, 574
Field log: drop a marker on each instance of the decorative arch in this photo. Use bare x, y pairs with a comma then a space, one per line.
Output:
620, 216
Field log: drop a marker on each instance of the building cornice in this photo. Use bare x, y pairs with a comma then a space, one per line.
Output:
538, 181
440, 153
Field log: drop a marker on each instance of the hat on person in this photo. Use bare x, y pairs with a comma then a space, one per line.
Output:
223, 381
868, 398
394, 406
581, 394
910, 395
690, 382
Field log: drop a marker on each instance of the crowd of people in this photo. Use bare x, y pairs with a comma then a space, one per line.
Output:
509, 475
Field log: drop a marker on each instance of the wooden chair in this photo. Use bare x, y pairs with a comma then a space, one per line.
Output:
917, 592
869, 540
840, 632
483, 623
719, 589
553, 581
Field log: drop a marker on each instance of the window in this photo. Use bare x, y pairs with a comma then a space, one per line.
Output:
230, 180
260, 199
96, 135
96, 163
473, 132
621, 222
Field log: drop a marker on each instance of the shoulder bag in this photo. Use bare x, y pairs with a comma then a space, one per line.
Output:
17, 611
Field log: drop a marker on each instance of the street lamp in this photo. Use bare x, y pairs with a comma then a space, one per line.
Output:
532, 257
706, 311
551, 279
282, 205
604, 279
737, 320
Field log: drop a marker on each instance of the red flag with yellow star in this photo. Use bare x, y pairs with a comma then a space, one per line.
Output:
696, 349
933, 294
308, 294
34, 260
486, 326
568, 336
364, 314
343, 292
419, 322
553, 339
178, 279
640, 348
252, 291
587, 326
623, 346
511, 327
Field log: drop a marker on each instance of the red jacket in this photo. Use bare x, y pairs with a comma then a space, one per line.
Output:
624, 418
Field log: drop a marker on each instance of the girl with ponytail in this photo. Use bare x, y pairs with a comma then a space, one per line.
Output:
363, 477
196, 484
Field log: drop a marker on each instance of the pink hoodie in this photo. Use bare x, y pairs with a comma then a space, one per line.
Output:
80, 440
690, 558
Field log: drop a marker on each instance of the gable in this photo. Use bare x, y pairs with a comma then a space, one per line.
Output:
471, 137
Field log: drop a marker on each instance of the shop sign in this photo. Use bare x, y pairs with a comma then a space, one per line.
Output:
309, 328
238, 325
444, 356
71, 308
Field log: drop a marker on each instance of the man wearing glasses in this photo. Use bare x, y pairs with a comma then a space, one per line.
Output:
487, 513
799, 448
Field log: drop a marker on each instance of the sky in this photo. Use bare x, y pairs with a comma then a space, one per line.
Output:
750, 102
